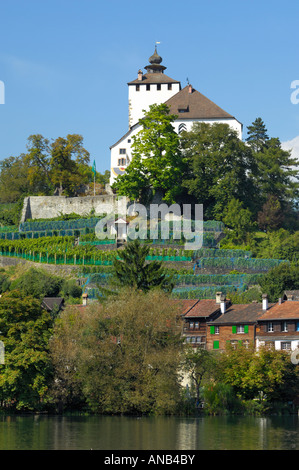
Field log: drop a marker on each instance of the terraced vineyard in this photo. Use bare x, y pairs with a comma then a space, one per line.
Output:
198, 274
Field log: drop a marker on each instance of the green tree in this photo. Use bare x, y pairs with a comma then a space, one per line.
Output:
61, 166
126, 353
157, 163
14, 183
199, 364
257, 135
133, 270
271, 216
276, 175
283, 277
220, 168
25, 331
238, 220
38, 284
66, 156
254, 373
278, 244
38, 162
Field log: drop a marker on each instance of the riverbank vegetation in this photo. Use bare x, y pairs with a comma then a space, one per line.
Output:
125, 355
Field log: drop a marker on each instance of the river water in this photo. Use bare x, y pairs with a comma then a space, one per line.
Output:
158, 433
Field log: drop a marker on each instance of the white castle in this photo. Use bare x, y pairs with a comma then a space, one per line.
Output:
154, 87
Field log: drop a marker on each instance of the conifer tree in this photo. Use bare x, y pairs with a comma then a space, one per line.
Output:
133, 270
257, 135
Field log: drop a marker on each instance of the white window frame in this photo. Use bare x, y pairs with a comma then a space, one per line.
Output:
270, 327
284, 326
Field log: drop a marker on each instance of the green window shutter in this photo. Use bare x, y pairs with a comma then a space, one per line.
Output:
234, 329
216, 345
212, 330
245, 328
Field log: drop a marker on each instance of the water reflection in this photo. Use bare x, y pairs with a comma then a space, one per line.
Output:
161, 433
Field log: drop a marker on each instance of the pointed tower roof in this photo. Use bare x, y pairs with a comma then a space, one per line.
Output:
155, 63
155, 72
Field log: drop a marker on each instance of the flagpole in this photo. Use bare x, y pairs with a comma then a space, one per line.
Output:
94, 177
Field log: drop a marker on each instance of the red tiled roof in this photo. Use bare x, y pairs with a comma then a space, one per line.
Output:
285, 310
202, 308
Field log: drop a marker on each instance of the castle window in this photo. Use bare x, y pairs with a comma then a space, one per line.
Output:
159, 86
148, 87
122, 151
169, 86
121, 161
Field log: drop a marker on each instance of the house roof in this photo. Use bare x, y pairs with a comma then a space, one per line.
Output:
241, 313
282, 311
153, 78
49, 303
195, 106
201, 308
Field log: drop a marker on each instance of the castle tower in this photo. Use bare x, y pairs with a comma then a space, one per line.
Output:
155, 87
152, 87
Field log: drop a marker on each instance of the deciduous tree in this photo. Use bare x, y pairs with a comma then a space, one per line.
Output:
157, 163
220, 168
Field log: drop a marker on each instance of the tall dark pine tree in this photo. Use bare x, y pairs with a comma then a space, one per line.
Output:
257, 135
133, 270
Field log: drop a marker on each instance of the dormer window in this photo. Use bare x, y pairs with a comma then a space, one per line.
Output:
183, 108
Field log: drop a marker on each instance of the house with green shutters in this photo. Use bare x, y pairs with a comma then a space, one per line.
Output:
236, 325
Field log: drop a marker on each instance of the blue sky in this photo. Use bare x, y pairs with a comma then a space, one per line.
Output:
65, 64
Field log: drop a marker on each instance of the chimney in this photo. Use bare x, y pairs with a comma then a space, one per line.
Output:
190, 89
223, 303
84, 299
218, 297
140, 74
265, 301
280, 300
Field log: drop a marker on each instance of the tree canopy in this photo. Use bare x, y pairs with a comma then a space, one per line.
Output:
220, 167
58, 166
157, 163
133, 270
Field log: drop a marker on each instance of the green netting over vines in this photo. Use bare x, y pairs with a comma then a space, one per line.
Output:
52, 225
256, 264
204, 292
